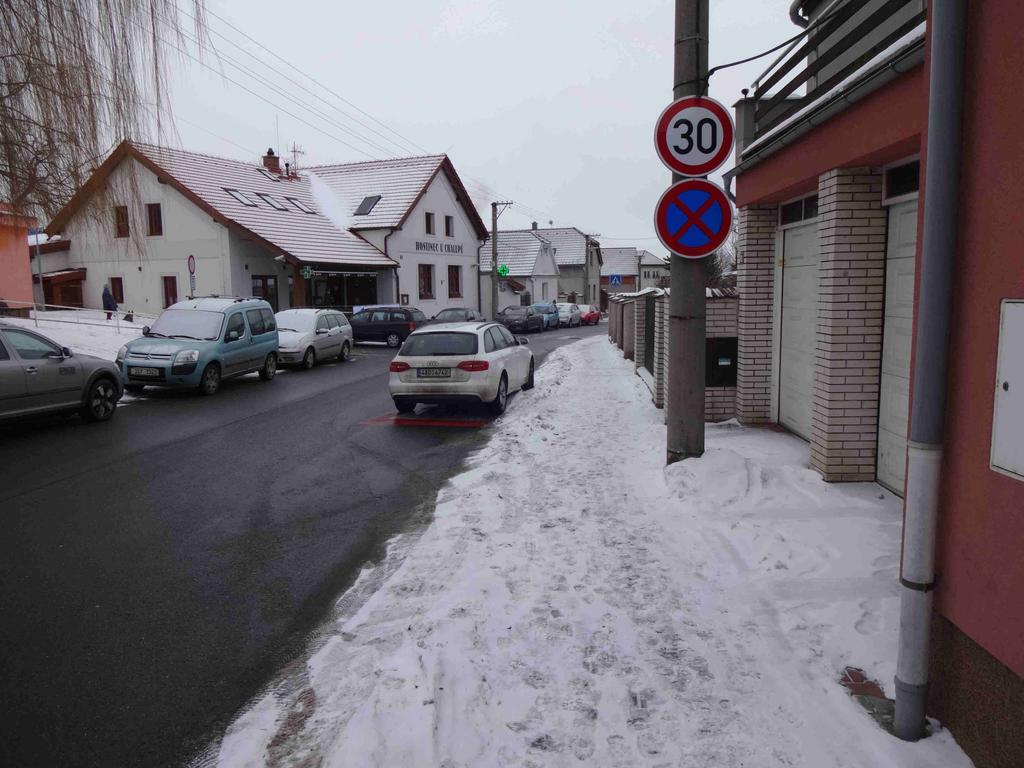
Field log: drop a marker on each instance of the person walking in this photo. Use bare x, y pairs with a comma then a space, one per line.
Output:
108, 301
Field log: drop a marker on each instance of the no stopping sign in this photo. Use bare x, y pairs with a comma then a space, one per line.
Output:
694, 136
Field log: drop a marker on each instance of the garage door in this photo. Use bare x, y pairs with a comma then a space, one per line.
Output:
799, 318
894, 403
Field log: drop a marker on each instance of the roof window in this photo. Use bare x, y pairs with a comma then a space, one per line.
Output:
272, 201
300, 205
241, 197
367, 205
268, 174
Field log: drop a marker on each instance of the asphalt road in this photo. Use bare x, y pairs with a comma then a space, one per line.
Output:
156, 571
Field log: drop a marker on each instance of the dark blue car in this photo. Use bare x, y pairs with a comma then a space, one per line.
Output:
549, 310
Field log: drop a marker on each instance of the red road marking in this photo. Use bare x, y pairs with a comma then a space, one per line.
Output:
422, 421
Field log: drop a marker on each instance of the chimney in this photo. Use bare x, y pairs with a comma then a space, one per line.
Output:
272, 162
535, 225
288, 170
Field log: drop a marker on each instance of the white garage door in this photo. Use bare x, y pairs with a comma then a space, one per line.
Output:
894, 403
799, 318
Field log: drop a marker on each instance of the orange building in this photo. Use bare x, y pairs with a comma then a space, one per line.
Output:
15, 274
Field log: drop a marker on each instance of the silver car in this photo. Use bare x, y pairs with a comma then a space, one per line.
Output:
569, 314
38, 375
311, 335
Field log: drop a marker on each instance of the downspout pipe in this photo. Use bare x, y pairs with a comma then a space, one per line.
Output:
794, 14
931, 362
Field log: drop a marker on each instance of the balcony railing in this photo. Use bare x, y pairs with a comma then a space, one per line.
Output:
842, 38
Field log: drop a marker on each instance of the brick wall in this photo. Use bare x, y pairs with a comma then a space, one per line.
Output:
851, 231
719, 403
722, 317
754, 279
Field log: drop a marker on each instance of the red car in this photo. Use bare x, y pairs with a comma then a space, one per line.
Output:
589, 315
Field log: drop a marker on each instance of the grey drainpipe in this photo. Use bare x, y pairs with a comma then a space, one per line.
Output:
931, 350
794, 14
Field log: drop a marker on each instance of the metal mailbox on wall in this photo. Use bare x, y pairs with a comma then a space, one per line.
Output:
1008, 413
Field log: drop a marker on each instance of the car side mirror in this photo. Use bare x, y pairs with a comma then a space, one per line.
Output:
523, 341
232, 336
321, 331
66, 352
145, 330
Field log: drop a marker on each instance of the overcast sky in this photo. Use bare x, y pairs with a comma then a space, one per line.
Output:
550, 103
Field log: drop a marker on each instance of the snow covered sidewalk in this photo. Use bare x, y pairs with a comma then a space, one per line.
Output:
576, 603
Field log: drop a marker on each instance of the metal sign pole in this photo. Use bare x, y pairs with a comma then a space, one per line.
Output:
685, 398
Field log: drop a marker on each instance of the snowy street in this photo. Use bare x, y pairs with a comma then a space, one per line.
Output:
573, 602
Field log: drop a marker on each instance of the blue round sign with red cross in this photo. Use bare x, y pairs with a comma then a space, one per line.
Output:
693, 218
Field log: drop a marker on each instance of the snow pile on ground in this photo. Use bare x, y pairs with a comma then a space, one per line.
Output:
576, 603
91, 334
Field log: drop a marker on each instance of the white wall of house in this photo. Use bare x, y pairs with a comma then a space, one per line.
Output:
649, 275
142, 260
411, 246
247, 258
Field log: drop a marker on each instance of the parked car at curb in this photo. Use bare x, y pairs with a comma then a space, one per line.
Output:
308, 336
589, 314
392, 325
568, 314
549, 310
37, 375
523, 319
460, 362
199, 342
458, 315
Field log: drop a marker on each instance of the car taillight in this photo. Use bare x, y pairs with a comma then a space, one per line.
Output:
412, 326
474, 366
398, 367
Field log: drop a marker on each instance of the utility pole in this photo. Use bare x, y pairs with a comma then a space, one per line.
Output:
495, 213
686, 310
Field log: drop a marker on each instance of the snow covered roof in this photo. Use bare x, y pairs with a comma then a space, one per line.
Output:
570, 244
518, 250
399, 183
648, 259
620, 261
280, 212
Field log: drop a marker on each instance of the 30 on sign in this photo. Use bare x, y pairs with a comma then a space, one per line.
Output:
694, 136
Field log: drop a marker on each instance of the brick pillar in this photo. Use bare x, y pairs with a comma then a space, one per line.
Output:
754, 279
851, 232
639, 331
298, 297
660, 369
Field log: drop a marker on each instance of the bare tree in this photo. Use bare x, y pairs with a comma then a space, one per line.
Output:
722, 263
76, 77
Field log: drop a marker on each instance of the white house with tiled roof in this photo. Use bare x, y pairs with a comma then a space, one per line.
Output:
530, 259
654, 271
417, 212
578, 256
297, 239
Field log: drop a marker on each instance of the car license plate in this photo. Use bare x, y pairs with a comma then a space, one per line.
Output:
150, 372
433, 373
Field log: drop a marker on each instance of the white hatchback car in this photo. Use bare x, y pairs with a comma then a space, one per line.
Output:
460, 362
569, 314
307, 336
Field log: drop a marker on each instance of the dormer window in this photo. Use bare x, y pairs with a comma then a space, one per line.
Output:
241, 197
367, 205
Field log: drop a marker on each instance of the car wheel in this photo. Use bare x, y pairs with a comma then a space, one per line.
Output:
529, 378
498, 404
210, 381
346, 353
394, 340
309, 358
404, 404
134, 389
269, 367
101, 400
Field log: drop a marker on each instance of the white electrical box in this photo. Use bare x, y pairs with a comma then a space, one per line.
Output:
1008, 416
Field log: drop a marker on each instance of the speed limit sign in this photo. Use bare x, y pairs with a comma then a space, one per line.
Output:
694, 136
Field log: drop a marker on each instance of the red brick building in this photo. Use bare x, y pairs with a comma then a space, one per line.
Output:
830, 194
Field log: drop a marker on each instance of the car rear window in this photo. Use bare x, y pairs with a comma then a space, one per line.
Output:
418, 316
440, 344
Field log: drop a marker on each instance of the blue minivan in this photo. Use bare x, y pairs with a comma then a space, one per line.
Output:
199, 342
